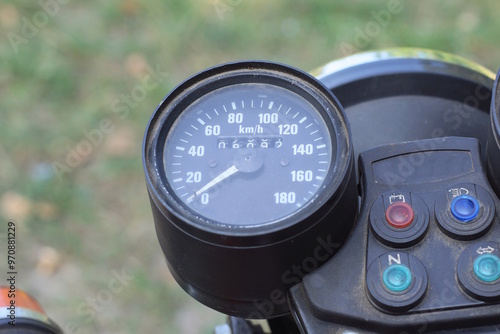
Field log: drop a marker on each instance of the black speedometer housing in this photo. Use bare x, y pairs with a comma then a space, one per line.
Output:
250, 172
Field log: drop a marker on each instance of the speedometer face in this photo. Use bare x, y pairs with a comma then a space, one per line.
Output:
248, 154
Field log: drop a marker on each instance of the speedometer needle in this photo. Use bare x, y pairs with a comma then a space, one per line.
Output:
222, 176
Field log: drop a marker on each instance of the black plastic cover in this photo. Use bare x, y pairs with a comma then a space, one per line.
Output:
338, 294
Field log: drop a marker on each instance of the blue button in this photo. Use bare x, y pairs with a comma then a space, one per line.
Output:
397, 277
487, 267
465, 208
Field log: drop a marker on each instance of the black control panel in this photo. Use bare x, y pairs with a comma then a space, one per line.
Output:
425, 253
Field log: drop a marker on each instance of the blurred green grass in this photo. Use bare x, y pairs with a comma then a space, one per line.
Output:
63, 78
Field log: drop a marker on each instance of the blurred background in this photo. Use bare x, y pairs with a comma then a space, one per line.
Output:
78, 83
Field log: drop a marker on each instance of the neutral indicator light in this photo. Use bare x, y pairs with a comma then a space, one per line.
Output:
487, 267
399, 214
465, 208
397, 277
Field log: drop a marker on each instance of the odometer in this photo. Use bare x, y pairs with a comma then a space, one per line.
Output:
249, 167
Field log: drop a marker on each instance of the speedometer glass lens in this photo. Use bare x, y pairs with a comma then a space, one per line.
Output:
248, 154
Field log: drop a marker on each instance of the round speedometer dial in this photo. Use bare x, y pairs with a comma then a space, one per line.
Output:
248, 154
250, 172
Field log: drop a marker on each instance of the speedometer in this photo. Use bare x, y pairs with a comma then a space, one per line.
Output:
248, 154
249, 167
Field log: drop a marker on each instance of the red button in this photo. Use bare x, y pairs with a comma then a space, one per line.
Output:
399, 214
